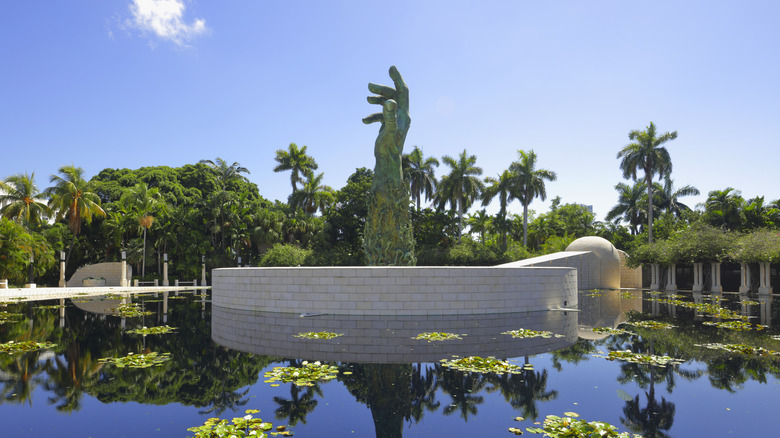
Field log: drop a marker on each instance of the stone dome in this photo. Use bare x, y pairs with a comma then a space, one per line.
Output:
604, 268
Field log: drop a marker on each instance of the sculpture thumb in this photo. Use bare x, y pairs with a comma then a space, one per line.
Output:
389, 114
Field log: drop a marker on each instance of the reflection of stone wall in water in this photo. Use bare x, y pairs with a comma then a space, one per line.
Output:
388, 238
382, 339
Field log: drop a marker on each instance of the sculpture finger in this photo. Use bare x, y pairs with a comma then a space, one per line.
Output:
388, 113
402, 91
377, 117
379, 100
382, 90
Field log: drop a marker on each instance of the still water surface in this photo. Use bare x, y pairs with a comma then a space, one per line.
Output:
393, 386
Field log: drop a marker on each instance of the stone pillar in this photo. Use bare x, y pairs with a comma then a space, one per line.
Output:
123, 276
62, 269
698, 277
671, 278
165, 270
655, 277
765, 278
744, 278
716, 286
203, 271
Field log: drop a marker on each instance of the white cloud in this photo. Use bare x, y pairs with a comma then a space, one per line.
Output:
164, 18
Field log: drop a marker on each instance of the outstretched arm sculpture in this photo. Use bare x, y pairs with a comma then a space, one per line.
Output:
388, 239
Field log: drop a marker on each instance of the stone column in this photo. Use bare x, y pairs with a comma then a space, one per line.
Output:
655, 274
716, 287
765, 278
203, 271
744, 278
698, 277
165, 270
123, 276
62, 269
671, 278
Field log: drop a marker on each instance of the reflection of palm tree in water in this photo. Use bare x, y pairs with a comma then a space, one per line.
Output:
70, 379
462, 387
225, 400
300, 404
523, 391
20, 376
393, 392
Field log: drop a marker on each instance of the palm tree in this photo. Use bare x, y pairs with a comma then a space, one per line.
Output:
19, 193
670, 197
226, 173
71, 197
144, 202
479, 223
723, 208
419, 173
461, 186
529, 183
503, 188
295, 160
646, 154
313, 195
629, 207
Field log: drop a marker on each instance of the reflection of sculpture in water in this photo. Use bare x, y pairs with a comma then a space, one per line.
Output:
388, 239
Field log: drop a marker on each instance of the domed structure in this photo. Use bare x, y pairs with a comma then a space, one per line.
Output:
603, 270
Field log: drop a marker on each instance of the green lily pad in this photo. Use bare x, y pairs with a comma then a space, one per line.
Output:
734, 325
652, 325
524, 333
12, 347
143, 360
640, 358
608, 330
129, 311
437, 336
305, 375
159, 330
741, 349
318, 335
478, 364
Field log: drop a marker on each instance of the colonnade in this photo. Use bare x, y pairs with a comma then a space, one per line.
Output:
764, 278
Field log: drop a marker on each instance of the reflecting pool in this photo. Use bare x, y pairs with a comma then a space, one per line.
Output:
388, 384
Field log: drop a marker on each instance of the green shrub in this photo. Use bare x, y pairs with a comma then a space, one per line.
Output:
286, 255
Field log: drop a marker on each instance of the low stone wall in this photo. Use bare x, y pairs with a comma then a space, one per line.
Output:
111, 271
387, 339
395, 290
591, 272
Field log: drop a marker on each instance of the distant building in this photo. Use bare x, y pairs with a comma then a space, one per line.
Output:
589, 207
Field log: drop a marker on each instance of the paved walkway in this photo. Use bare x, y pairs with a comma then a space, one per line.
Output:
51, 293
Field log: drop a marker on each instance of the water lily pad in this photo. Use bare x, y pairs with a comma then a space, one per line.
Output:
609, 331
159, 330
129, 311
143, 360
13, 347
572, 426
524, 333
652, 325
7, 316
478, 364
318, 335
437, 336
306, 375
734, 325
741, 349
640, 358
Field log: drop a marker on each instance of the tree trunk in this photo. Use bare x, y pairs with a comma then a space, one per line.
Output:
649, 182
525, 225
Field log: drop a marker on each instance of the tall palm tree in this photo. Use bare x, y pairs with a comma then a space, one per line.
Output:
461, 186
19, 193
313, 195
501, 187
226, 173
419, 173
295, 160
646, 154
629, 207
71, 198
529, 183
145, 202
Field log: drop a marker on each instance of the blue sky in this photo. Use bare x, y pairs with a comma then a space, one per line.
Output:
125, 84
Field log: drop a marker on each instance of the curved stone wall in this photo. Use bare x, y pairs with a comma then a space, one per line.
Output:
395, 290
111, 271
388, 339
